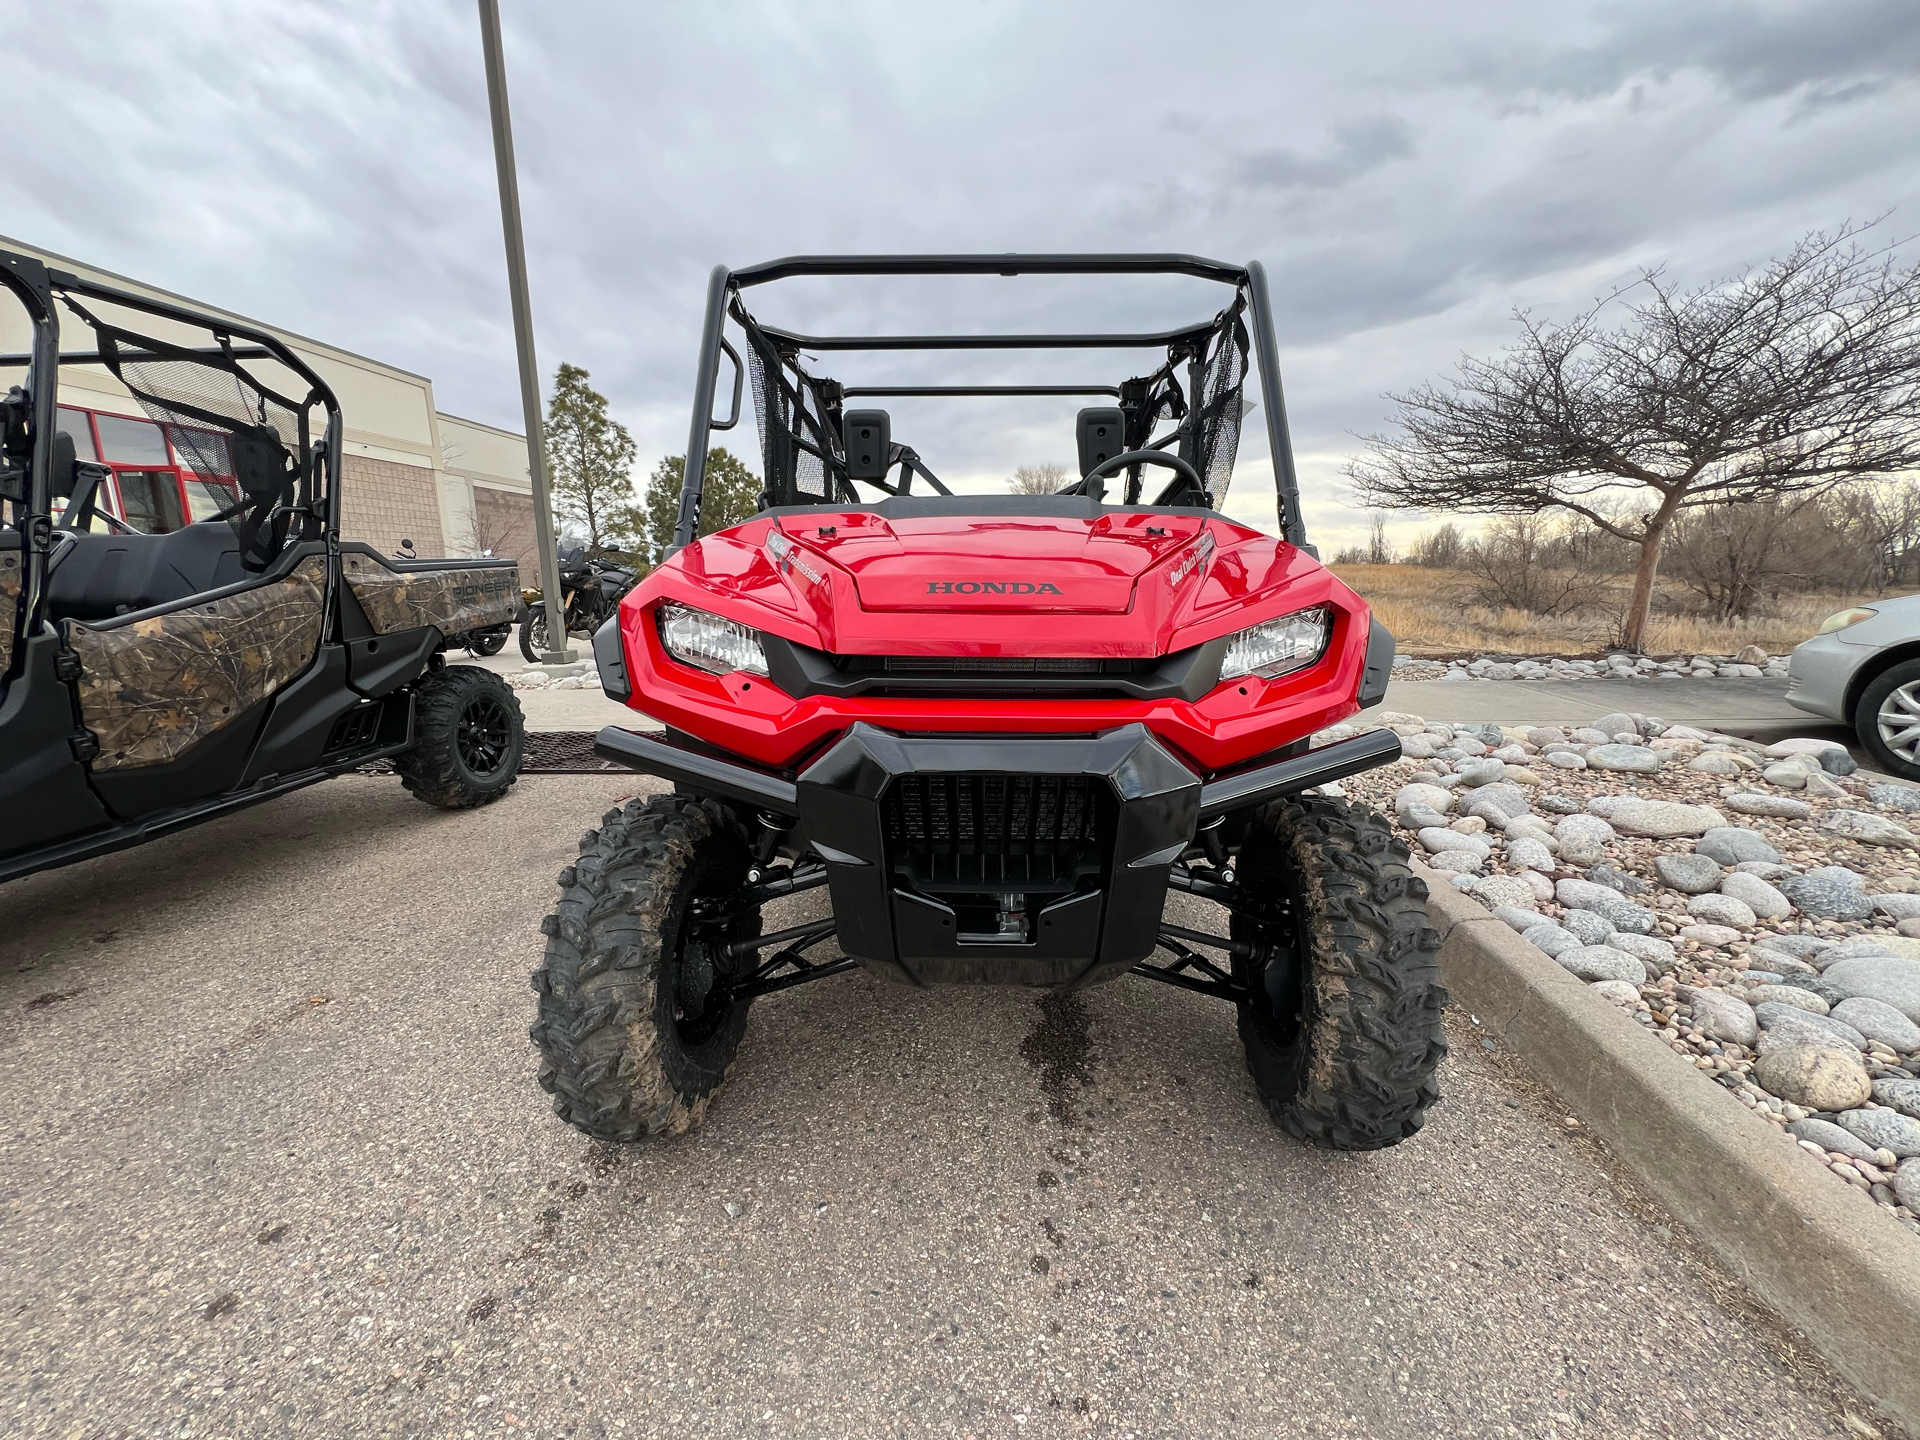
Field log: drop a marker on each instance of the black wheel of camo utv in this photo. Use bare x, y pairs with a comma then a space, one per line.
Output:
489, 642
637, 1020
1342, 1039
468, 737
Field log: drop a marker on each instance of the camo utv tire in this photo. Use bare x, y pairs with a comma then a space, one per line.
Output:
630, 1046
468, 738
1346, 1059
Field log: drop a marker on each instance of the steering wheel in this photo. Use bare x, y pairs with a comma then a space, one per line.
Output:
1188, 477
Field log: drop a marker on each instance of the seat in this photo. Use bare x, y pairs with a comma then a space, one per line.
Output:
96, 577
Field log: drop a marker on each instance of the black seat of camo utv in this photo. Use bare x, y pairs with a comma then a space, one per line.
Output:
95, 577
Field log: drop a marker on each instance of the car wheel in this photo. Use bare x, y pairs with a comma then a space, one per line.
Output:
1887, 719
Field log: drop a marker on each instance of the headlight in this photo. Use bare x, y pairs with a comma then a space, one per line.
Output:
1844, 619
707, 642
1278, 647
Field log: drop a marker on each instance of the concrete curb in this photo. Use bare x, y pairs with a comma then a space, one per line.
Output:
1835, 1265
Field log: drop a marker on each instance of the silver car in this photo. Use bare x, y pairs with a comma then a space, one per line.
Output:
1863, 669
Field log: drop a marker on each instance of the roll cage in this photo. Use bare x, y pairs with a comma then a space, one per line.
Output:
802, 415
248, 432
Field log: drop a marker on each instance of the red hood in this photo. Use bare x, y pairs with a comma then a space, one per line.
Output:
1118, 584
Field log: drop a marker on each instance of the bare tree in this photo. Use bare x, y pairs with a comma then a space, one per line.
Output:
1039, 479
1523, 562
1437, 549
1379, 548
1796, 377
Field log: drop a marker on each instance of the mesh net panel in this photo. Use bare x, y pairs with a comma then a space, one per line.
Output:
1220, 409
794, 430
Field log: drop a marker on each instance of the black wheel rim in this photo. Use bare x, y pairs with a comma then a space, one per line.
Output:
484, 735
702, 973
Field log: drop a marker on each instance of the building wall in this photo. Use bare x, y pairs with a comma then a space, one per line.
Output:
503, 523
384, 502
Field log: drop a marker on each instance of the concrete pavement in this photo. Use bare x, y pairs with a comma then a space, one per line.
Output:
275, 1164
1731, 706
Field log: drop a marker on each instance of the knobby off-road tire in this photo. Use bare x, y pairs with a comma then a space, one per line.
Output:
533, 632
1346, 1060
618, 1051
468, 737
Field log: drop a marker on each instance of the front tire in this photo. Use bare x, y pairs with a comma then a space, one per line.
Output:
533, 633
468, 737
1887, 719
637, 1025
1343, 1043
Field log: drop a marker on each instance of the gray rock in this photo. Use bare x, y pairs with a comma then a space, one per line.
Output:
1430, 795
1816, 1077
1764, 869
1618, 723
1878, 1020
1782, 807
1884, 1130
1475, 773
1545, 735
1636, 759
1503, 890
1788, 1022
1717, 909
1664, 819
1416, 816
1822, 788
1906, 1185
1731, 844
1436, 839
1458, 862
1893, 982
1804, 946
1616, 909
1589, 928
1603, 962
1530, 853
1869, 829
1855, 945
1838, 762
1522, 920
1656, 954
1831, 892
1558, 805
1901, 1095
1565, 759
1819, 985
1551, 938
1718, 936
1619, 992
1895, 797
1689, 874
1829, 1136
1714, 762
1724, 1016
1790, 995
1763, 957
1757, 895
1787, 774
1507, 798
1899, 905
1590, 735
1619, 880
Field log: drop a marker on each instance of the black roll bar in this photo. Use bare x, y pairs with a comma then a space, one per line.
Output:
723, 282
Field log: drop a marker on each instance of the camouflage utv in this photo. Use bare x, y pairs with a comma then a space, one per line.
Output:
188, 634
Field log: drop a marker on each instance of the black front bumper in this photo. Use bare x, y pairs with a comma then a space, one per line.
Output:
923, 835
1081, 829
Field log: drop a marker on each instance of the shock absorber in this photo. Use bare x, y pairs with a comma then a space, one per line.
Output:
772, 827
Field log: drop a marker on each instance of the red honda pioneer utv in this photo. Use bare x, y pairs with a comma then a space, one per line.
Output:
997, 729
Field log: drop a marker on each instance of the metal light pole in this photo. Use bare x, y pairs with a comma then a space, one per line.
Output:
557, 651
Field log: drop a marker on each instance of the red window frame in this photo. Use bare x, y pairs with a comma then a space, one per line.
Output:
110, 498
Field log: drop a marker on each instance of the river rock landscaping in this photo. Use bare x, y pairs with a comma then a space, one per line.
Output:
1752, 663
1757, 908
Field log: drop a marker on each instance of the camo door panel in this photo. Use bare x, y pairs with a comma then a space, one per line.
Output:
455, 601
153, 689
12, 582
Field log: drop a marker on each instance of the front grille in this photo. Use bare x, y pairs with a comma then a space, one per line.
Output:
997, 832
990, 665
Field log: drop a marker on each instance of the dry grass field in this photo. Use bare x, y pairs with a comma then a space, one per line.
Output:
1431, 614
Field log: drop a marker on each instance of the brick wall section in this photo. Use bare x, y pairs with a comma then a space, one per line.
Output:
384, 502
503, 523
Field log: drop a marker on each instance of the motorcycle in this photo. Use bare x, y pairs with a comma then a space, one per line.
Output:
592, 591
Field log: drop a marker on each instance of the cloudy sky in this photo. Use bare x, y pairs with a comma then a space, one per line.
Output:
1409, 173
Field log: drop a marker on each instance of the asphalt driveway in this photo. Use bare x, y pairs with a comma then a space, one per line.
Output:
276, 1165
